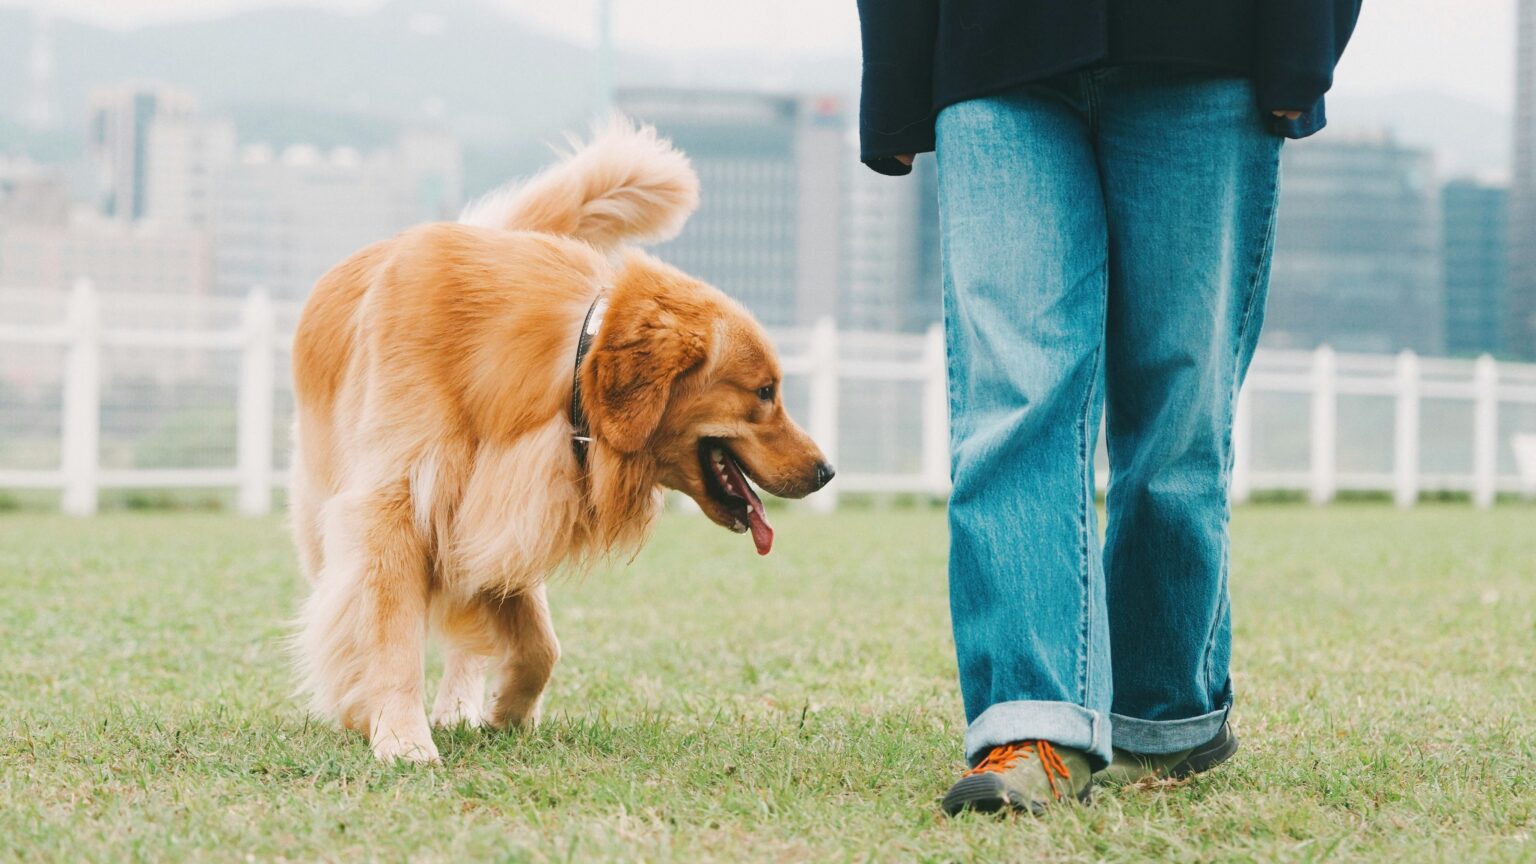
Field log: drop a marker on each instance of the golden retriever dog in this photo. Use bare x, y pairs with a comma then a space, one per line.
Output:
453, 450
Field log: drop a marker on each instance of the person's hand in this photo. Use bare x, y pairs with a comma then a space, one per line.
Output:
906, 159
1289, 115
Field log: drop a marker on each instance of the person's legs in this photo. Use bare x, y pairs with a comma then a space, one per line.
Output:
1190, 180
1023, 231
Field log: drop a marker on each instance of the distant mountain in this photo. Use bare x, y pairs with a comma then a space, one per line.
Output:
1468, 138
408, 60
391, 63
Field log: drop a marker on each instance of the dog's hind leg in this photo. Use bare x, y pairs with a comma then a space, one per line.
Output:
364, 627
461, 695
469, 639
529, 652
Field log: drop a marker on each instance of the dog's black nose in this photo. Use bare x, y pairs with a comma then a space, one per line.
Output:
824, 474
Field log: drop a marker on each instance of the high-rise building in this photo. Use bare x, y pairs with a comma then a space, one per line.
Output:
282, 220
893, 280
1357, 250
1475, 232
1520, 334
892, 283
773, 169
121, 120
187, 157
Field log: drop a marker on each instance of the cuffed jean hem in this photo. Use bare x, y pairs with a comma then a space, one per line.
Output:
1154, 737
1061, 723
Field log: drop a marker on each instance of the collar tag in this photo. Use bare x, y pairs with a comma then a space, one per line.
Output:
581, 430
595, 316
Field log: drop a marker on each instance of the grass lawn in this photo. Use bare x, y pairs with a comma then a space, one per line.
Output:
716, 706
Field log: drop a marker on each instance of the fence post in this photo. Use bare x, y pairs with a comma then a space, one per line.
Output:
935, 412
1242, 448
80, 438
253, 443
1405, 438
1485, 431
1325, 407
823, 420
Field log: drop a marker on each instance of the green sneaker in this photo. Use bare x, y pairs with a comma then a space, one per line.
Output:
1025, 775
1128, 767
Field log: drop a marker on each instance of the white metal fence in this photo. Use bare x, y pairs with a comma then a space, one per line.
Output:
107, 391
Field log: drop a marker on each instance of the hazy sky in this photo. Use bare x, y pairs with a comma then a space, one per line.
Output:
1462, 47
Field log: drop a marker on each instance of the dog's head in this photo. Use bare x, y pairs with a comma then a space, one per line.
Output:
683, 375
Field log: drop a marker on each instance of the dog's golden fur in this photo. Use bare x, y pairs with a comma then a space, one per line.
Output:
435, 486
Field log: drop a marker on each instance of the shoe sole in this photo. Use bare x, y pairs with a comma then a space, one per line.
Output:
1207, 755
984, 793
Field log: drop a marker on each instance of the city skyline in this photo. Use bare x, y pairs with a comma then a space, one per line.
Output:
792, 226
830, 238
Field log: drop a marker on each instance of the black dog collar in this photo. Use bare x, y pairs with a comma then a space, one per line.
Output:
581, 430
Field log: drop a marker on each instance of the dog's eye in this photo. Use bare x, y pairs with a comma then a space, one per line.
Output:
765, 393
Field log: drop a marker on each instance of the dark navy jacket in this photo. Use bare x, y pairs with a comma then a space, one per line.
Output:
922, 55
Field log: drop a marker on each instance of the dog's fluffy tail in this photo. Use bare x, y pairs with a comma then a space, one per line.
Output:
626, 184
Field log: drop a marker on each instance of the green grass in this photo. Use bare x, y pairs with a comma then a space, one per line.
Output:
715, 706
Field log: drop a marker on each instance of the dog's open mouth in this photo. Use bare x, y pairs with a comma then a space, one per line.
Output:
728, 486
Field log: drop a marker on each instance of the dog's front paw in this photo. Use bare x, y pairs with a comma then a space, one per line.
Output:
459, 712
393, 749
389, 747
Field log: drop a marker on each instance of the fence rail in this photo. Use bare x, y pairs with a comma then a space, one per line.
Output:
860, 390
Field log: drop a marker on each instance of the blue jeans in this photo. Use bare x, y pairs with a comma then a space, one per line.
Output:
1106, 240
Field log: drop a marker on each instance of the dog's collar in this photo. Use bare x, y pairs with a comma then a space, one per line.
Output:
581, 429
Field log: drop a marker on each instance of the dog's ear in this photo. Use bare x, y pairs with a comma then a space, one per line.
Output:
642, 350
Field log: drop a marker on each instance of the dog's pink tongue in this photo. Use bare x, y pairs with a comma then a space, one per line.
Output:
757, 520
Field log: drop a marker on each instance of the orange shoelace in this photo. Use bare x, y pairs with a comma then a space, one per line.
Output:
1006, 756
